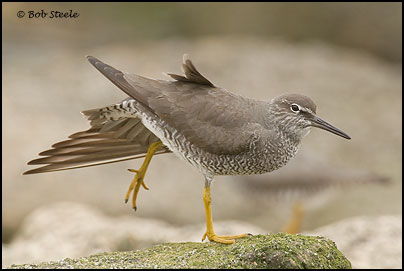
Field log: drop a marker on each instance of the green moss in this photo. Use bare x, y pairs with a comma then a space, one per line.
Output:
261, 251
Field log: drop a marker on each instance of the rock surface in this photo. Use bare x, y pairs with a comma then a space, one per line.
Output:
260, 251
76, 230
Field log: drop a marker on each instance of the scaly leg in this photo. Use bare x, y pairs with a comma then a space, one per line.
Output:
138, 180
295, 223
210, 233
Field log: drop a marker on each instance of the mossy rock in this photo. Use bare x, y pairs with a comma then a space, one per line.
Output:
261, 251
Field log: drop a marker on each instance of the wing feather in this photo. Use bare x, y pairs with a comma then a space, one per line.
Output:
210, 117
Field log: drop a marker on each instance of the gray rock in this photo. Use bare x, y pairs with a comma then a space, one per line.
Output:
76, 230
261, 251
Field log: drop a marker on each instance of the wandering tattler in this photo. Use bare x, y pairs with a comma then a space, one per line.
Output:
216, 131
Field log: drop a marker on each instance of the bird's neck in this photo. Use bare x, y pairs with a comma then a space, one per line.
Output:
291, 134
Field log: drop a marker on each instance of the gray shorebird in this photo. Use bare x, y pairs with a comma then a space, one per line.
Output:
216, 131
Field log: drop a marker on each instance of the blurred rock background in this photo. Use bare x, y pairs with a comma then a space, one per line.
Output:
345, 56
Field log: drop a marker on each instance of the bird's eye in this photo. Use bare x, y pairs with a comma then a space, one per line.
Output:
294, 107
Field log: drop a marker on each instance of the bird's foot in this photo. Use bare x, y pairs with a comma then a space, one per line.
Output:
135, 185
138, 180
224, 239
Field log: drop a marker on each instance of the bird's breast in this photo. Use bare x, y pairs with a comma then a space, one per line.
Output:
256, 161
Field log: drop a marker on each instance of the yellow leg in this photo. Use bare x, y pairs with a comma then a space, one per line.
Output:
210, 233
138, 180
294, 225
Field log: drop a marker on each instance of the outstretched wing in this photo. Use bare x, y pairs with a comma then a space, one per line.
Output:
209, 117
111, 138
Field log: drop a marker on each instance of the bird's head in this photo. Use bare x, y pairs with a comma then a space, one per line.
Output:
295, 114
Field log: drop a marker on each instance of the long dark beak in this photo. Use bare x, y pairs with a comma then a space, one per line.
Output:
322, 124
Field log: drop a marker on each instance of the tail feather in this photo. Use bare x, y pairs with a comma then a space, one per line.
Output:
114, 136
